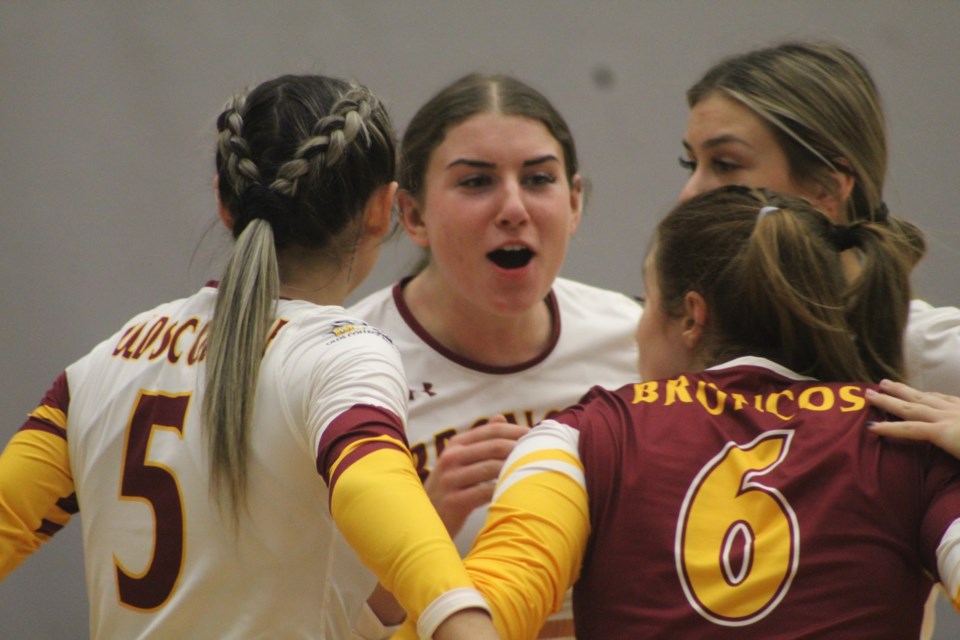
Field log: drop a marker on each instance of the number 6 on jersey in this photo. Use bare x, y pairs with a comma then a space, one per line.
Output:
738, 541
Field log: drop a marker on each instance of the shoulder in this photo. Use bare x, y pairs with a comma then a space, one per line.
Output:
375, 305
599, 405
932, 345
588, 300
306, 324
184, 318
924, 318
317, 347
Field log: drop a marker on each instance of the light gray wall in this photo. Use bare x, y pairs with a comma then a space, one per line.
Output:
106, 120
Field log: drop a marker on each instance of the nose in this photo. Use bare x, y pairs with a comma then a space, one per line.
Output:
513, 210
697, 183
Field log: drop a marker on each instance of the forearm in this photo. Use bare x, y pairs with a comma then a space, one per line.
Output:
529, 551
34, 477
385, 607
380, 506
471, 624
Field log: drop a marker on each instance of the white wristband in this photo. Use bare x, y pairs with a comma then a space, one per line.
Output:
447, 605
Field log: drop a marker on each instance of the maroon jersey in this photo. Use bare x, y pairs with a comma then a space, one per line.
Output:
747, 501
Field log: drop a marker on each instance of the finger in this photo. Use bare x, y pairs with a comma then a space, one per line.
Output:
910, 394
907, 430
939, 400
480, 473
459, 455
901, 408
489, 431
477, 495
898, 389
466, 500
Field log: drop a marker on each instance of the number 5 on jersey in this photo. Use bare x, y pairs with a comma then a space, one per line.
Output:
156, 485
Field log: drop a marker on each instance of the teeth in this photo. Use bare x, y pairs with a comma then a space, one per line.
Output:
512, 247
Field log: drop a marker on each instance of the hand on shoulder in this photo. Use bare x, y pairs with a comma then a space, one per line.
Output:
933, 417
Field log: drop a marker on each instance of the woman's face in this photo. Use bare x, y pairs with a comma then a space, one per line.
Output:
497, 212
726, 143
663, 351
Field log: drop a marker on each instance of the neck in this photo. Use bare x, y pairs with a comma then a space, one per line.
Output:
306, 276
476, 333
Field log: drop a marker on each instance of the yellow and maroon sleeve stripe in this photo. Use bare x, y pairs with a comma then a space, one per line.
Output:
353, 434
380, 506
530, 548
51, 415
36, 485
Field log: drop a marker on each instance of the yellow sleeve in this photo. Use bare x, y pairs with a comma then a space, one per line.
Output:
36, 493
380, 506
529, 551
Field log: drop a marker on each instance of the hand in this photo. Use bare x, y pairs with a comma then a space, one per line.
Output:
466, 472
934, 417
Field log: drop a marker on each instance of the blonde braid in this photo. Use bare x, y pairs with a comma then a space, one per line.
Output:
233, 147
332, 137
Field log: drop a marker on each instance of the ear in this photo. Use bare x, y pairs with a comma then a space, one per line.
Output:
576, 202
377, 211
411, 217
225, 216
693, 323
833, 201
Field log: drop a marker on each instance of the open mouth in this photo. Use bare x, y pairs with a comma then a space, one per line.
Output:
511, 257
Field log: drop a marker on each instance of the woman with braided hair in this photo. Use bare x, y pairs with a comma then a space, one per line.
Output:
737, 492
215, 445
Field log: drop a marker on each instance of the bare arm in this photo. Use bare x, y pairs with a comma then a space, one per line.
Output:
471, 624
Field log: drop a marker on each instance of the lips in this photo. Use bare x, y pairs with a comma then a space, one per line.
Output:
511, 256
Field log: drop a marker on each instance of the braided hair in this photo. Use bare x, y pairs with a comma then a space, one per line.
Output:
297, 158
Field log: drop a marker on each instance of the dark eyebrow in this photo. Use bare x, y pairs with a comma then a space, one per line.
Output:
719, 140
546, 158
482, 164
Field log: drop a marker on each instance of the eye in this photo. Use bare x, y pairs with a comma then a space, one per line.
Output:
540, 178
687, 164
725, 166
474, 181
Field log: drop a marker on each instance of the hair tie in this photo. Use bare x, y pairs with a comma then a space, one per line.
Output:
881, 213
764, 211
260, 202
845, 236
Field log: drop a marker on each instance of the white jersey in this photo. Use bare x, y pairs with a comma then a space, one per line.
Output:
932, 348
160, 559
593, 344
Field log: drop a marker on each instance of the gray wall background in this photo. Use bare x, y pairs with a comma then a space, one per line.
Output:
106, 132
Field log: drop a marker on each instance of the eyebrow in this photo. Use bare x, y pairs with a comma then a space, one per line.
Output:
719, 140
483, 164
